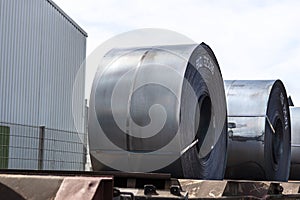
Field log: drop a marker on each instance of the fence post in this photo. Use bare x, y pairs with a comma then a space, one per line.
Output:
41, 147
85, 132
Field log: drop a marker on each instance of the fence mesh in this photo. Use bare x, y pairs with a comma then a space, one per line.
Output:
33, 147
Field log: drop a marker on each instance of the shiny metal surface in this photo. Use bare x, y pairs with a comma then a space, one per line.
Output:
248, 104
295, 143
143, 107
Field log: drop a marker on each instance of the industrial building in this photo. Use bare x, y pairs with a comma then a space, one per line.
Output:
41, 54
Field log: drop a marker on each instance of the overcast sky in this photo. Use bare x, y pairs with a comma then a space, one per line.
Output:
252, 39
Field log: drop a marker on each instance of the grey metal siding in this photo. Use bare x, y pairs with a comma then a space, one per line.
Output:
41, 50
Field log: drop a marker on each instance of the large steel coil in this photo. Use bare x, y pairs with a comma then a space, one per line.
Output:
295, 151
259, 130
159, 109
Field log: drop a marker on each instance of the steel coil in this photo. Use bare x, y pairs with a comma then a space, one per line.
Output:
259, 130
295, 144
159, 109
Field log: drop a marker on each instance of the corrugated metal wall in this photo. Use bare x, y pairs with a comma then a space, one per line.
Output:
41, 50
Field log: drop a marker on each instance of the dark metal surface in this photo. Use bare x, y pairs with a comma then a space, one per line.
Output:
160, 108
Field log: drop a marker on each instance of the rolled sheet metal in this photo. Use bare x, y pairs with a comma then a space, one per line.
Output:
295, 151
159, 109
259, 130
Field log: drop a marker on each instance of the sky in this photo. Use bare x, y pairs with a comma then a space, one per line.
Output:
252, 39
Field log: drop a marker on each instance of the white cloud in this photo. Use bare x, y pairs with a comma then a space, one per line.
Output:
251, 39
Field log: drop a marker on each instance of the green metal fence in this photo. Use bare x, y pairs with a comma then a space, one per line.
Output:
4, 146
